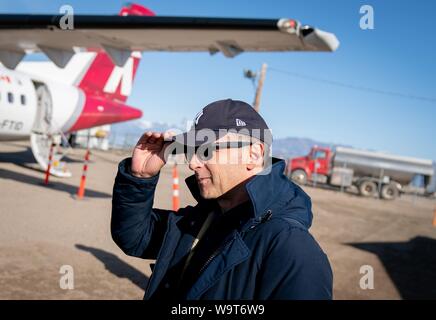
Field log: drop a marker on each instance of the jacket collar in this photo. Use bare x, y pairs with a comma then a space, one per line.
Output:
263, 189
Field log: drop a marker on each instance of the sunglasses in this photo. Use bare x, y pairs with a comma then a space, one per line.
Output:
204, 152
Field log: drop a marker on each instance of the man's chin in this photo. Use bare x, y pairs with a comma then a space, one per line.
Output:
207, 195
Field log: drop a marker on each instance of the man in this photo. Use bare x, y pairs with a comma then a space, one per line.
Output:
247, 238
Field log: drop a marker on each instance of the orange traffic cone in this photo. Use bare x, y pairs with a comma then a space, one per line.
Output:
434, 217
176, 199
81, 191
50, 160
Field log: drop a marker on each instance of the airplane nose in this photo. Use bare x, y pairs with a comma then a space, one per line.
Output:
98, 112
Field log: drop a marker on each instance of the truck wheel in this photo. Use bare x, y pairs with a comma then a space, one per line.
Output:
299, 176
389, 191
368, 188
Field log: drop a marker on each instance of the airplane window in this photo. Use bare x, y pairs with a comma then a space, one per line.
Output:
10, 97
23, 100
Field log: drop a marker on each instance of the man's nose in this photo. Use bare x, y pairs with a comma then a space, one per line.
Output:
195, 163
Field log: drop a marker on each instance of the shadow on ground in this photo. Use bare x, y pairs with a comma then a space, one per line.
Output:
411, 265
59, 186
117, 266
26, 157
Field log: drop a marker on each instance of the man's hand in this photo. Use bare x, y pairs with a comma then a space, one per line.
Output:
148, 155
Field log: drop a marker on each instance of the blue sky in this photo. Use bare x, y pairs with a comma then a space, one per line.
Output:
398, 55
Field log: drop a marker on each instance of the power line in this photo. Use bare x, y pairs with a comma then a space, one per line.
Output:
354, 87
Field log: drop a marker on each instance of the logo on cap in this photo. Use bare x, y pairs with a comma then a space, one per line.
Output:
240, 123
197, 117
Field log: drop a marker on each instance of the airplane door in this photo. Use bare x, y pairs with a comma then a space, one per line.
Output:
44, 107
44, 133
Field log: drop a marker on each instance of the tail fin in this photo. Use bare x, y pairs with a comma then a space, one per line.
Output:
133, 9
102, 77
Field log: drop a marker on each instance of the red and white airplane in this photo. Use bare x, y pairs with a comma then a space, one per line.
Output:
95, 58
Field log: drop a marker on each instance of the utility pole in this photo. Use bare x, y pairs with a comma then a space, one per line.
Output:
253, 75
256, 103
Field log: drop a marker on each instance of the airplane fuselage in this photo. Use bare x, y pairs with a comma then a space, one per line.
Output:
29, 103
17, 105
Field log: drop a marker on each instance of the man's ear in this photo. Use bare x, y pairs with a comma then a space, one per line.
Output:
256, 156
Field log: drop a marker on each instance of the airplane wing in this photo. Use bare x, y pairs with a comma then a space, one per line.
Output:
120, 35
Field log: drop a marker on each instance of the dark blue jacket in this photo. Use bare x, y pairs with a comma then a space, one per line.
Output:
271, 256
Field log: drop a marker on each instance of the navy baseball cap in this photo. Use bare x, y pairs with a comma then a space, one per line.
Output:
221, 117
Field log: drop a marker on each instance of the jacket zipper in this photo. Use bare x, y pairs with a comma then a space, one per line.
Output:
266, 217
214, 254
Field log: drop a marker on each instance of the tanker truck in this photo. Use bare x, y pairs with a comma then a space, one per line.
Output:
374, 174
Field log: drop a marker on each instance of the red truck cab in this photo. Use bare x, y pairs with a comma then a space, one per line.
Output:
317, 162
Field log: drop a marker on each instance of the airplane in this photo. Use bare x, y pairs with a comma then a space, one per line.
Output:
94, 59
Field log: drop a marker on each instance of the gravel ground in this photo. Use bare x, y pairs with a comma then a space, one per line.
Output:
44, 228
